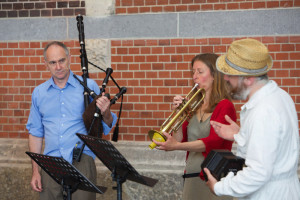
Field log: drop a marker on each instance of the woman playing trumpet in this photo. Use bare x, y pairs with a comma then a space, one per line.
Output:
196, 136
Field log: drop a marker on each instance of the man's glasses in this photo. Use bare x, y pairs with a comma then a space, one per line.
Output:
54, 63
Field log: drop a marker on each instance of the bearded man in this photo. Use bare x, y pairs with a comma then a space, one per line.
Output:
268, 136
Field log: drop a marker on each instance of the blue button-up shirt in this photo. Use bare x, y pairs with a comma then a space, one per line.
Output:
56, 115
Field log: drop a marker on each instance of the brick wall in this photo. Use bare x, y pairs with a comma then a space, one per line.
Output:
41, 8
155, 6
153, 70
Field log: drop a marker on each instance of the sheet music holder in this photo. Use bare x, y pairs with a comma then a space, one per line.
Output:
65, 174
121, 169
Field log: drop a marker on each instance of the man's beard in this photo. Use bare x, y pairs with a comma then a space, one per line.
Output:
240, 92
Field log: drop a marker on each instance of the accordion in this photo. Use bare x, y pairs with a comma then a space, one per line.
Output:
221, 162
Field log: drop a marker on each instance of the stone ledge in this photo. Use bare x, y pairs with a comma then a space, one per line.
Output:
167, 167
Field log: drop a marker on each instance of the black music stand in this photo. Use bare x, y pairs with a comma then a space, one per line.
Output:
115, 162
65, 174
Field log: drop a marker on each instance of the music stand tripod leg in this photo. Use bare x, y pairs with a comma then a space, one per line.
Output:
68, 190
120, 180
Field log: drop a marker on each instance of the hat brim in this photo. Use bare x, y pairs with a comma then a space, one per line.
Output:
223, 67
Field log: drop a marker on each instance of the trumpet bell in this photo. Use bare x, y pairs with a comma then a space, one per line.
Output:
156, 135
179, 115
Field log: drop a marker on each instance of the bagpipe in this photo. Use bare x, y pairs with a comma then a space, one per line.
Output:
92, 116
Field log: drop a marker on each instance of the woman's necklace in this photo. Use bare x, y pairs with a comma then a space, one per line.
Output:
201, 116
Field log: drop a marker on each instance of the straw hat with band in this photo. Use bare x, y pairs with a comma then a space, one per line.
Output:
246, 57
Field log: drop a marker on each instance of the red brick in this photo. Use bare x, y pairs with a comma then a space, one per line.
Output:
219, 49
288, 64
187, 1
13, 45
212, 41
162, 2
115, 43
13, 75
151, 58
274, 47
118, 3
201, 41
145, 9
293, 39
176, 42
121, 10
8, 52
19, 83
9, 68
273, 4
23, 44
169, 8
132, 10
157, 9
164, 74
116, 58
122, 51
12, 59
289, 81
259, 5
164, 58
194, 49
3, 45
287, 47
140, 138
35, 45
169, 50
188, 41
193, 7
181, 49
19, 52
150, 2
298, 47
157, 50
126, 2
219, 7
151, 42
23, 59
139, 58
281, 39
145, 50
207, 7
35, 60
294, 90
188, 58
174, 1
139, 42
286, 3
282, 73
138, 2
153, 74
233, 6
295, 56
134, 50
206, 49
165, 42
176, 58
181, 8
266, 40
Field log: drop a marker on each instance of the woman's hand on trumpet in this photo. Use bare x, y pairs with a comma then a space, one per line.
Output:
177, 100
169, 145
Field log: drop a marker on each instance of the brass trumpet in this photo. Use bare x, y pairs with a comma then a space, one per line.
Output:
182, 113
